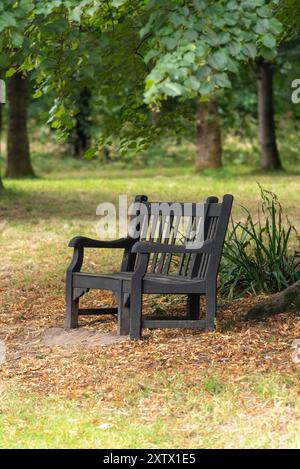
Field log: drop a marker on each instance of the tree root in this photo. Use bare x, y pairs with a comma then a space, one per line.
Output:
287, 300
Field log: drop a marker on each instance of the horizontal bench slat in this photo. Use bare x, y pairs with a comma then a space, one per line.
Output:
186, 208
174, 323
96, 311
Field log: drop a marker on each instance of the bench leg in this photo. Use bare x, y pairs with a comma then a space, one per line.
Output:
136, 315
123, 314
72, 305
211, 308
193, 306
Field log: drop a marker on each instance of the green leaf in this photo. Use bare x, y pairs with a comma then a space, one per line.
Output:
252, 4
262, 26
17, 39
230, 19
90, 153
4, 60
250, 50
169, 42
275, 26
264, 12
200, 4
189, 57
145, 30
149, 84
212, 39
37, 94
7, 20
150, 55
190, 35
222, 80
231, 5
118, 3
206, 88
224, 38
172, 89
235, 48
232, 66
218, 60
10, 72
269, 41
75, 14
192, 83
268, 54
55, 124
176, 19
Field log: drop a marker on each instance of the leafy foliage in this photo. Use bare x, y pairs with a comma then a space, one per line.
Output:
256, 255
132, 54
196, 46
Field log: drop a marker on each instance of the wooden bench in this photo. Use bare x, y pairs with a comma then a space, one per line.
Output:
158, 258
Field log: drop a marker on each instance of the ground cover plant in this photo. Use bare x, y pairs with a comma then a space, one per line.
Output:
260, 253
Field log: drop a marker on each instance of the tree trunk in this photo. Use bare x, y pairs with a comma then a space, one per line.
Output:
270, 158
209, 144
1, 128
82, 134
287, 300
2, 101
18, 153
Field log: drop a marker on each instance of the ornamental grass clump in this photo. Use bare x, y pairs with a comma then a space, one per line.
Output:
259, 256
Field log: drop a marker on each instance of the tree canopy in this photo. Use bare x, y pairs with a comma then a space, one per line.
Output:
135, 53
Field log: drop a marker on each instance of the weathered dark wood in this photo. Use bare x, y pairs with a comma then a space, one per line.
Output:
123, 313
96, 311
173, 323
71, 303
83, 242
156, 261
193, 306
136, 296
79, 292
129, 258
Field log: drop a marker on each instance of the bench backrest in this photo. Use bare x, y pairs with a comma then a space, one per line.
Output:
179, 223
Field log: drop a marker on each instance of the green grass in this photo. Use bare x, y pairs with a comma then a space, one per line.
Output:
263, 412
39, 216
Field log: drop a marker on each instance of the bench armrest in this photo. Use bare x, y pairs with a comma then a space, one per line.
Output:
145, 247
83, 242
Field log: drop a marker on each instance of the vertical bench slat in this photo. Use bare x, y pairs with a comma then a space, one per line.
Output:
167, 240
129, 258
205, 257
154, 218
195, 258
197, 221
186, 237
175, 228
159, 239
204, 224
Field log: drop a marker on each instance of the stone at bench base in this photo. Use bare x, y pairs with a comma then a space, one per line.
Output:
56, 336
